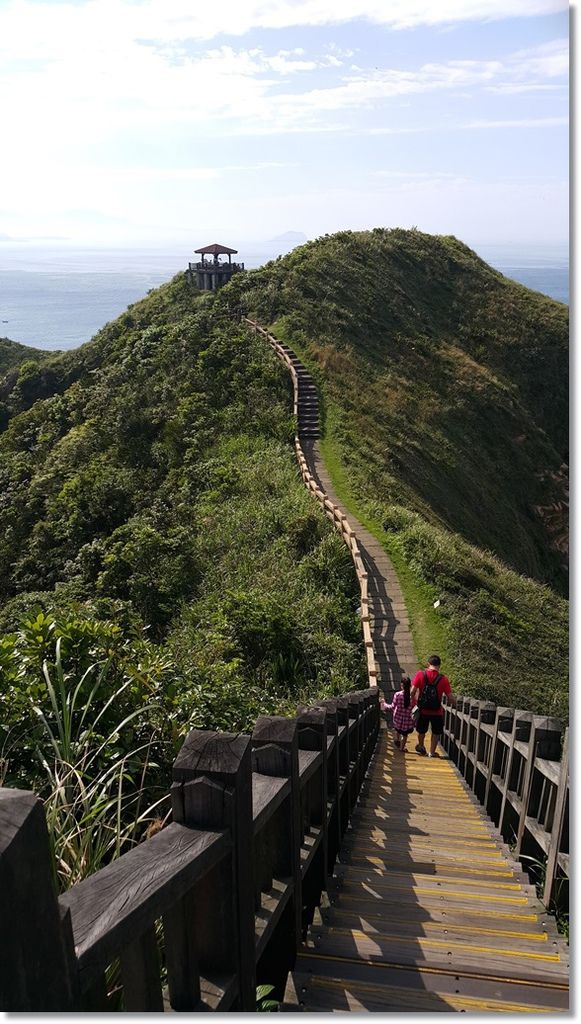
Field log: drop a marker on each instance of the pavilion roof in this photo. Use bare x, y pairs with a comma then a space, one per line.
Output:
215, 249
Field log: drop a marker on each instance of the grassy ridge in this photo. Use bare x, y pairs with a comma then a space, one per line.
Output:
444, 410
448, 380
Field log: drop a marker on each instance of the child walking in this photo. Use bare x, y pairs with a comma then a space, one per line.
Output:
401, 706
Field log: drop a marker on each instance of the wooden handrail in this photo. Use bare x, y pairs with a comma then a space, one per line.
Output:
518, 768
230, 885
334, 513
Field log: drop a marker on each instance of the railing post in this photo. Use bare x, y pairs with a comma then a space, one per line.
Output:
312, 725
472, 739
37, 963
376, 713
276, 752
545, 733
354, 749
558, 820
334, 822
486, 717
212, 789
343, 719
491, 757
505, 723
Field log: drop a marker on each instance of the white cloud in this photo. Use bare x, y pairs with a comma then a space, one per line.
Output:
40, 28
523, 122
514, 88
91, 83
86, 85
360, 88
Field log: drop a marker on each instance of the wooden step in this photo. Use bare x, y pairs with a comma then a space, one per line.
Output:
432, 918
441, 933
487, 959
428, 907
439, 864
446, 880
428, 891
319, 993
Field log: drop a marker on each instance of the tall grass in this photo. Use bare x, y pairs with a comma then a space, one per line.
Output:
97, 793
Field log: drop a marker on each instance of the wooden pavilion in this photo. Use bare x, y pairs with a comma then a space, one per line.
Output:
212, 273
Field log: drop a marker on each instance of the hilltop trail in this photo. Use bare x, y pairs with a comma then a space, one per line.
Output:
390, 629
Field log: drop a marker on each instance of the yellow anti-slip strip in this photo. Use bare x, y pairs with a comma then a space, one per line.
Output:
496, 914
379, 862
453, 1000
438, 925
408, 849
397, 823
559, 986
393, 784
445, 894
443, 943
427, 801
484, 847
450, 793
421, 811
443, 880
427, 811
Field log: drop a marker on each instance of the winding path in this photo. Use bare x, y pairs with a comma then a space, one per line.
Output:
391, 637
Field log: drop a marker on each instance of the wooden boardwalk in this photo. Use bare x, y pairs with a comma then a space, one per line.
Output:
390, 629
428, 911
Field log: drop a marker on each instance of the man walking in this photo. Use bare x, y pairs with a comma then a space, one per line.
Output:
429, 686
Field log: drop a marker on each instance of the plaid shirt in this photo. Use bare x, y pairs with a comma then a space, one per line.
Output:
402, 716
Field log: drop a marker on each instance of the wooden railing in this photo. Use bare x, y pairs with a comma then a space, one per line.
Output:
517, 764
332, 511
216, 902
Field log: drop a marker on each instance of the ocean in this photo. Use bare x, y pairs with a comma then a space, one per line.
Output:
57, 297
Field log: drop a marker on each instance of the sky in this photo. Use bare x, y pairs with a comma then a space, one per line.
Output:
133, 122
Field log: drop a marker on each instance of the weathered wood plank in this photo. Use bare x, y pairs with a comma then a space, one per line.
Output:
36, 958
126, 897
215, 771
558, 821
268, 793
275, 752
140, 975
181, 954
309, 761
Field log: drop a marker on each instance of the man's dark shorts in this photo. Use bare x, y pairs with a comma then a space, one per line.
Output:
436, 721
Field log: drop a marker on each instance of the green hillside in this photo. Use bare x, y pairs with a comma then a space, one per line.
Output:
444, 390
12, 354
157, 544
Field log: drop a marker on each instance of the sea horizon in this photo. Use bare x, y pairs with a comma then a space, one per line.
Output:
59, 295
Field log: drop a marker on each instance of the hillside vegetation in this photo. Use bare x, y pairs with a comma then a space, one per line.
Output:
161, 565
12, 353
444, 393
